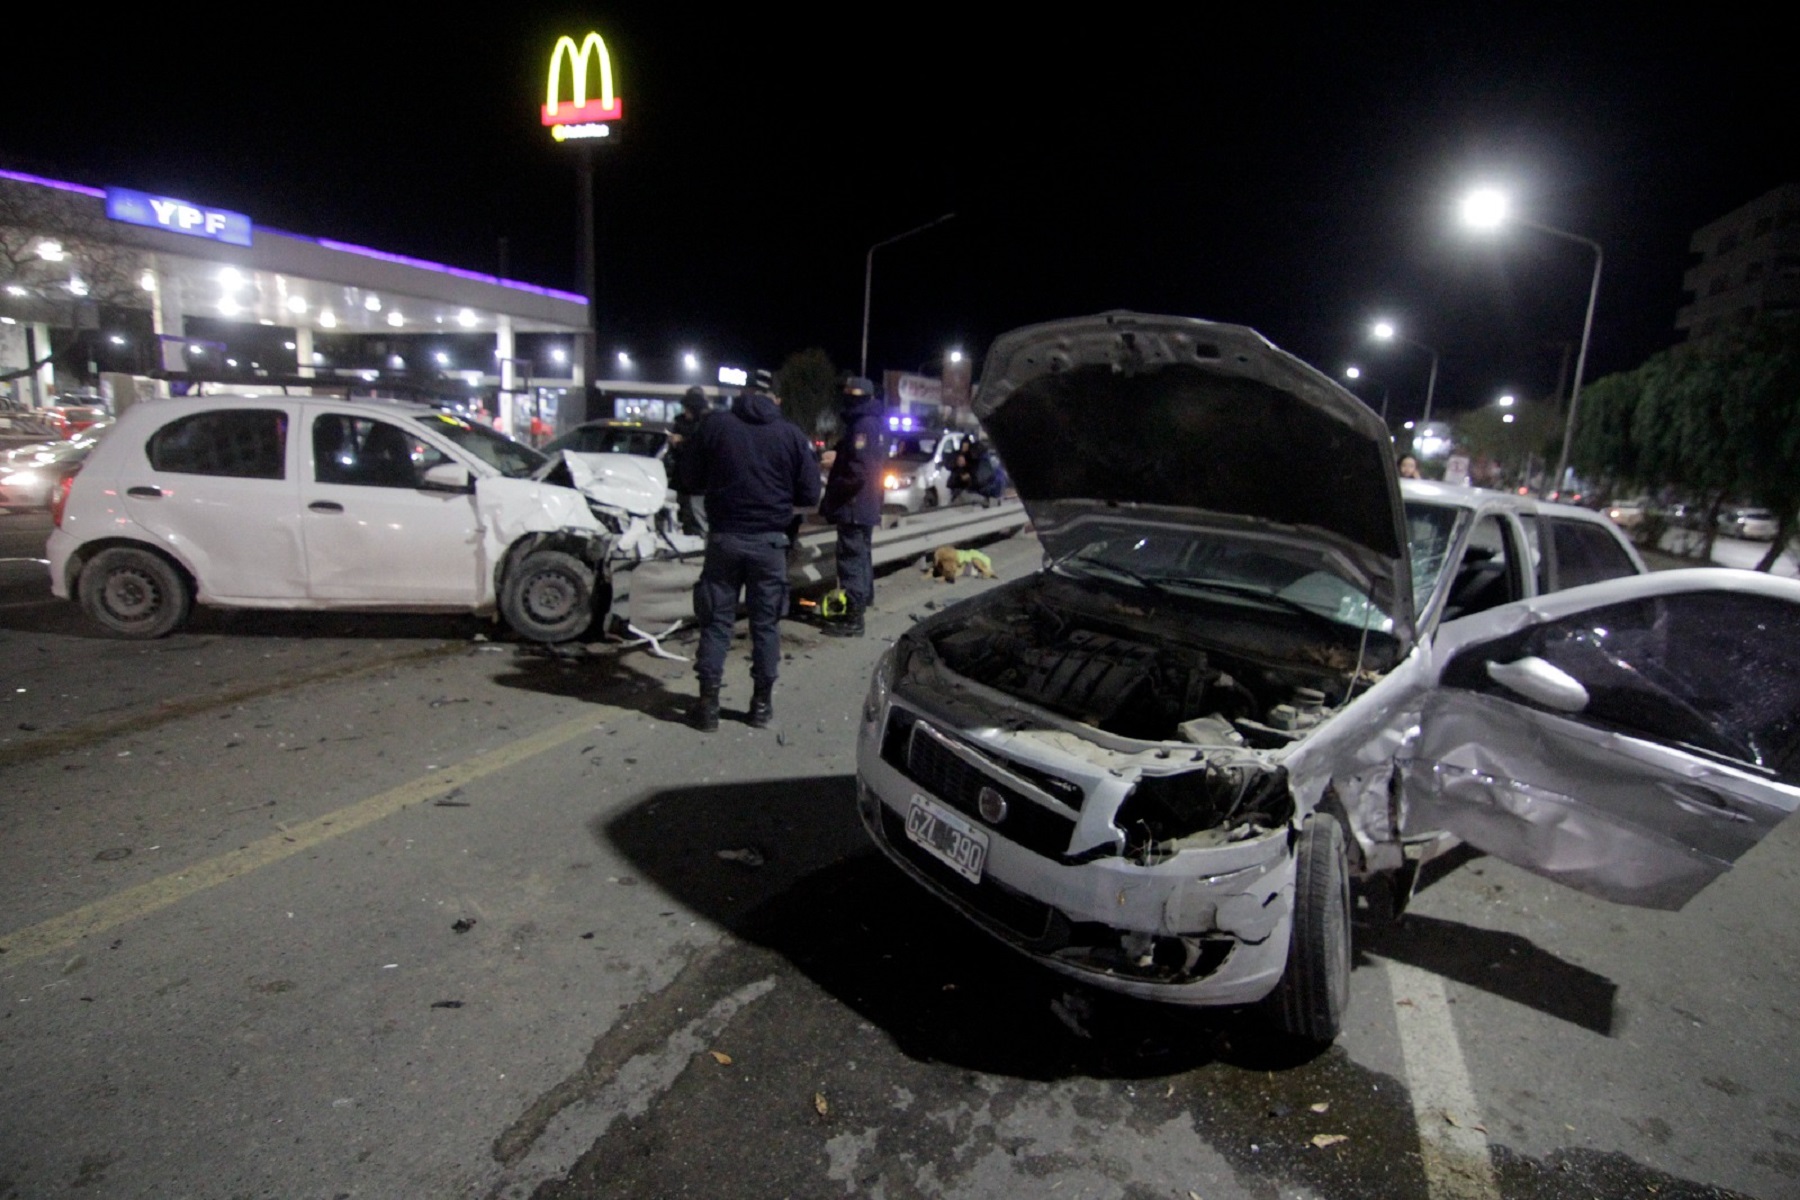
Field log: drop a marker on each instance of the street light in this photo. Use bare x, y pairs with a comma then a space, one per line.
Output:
1488, 208
869, 280
1385, 331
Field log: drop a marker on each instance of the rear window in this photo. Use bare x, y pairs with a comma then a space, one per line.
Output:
242, 443
1586, 553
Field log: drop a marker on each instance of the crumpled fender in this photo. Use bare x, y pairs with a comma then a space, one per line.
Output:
632, 483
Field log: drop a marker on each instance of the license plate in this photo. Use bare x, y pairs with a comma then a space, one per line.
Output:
948, 838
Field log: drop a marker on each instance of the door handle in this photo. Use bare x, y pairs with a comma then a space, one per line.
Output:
325, 506
149, 493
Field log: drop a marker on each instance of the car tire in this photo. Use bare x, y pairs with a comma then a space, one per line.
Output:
134, 593
548, 596
1308, 1004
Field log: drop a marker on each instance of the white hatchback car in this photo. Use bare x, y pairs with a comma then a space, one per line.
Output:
917, 474
1255, 667
318, 503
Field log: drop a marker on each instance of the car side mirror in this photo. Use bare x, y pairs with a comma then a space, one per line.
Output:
448, 477
1540, 681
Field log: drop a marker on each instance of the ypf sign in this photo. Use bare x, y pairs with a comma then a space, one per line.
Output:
584, 114
177, 216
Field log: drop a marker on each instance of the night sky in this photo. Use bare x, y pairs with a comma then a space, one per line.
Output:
1289, 168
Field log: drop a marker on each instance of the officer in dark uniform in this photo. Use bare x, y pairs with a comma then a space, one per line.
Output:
754, 468
853, 500
694, 409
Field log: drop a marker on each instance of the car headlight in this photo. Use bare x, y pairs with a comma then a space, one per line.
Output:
894, 483
20, 479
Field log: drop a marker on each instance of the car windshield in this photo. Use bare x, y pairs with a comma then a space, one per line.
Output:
1430, 532
1254, 572
912, 449
511, 458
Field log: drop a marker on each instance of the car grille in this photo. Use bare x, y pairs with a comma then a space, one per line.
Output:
930, 764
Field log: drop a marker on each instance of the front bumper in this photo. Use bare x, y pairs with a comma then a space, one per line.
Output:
1206, 926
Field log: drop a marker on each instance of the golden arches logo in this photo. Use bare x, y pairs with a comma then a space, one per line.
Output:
580, 110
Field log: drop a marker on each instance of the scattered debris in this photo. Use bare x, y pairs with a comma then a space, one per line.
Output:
446, 1004
720, 1057
588, 936
1320, 1107
823, 1109
27, 727
114, 854
750, 856
1322, 1140
780, 738
463, 924
448, 803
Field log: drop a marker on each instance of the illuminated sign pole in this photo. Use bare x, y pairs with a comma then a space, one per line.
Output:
589, 123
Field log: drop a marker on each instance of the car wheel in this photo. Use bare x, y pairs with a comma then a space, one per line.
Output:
548, 596
931, 497
1308, 1004
134, 593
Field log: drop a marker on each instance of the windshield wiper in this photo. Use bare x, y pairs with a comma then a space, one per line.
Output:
1094, 566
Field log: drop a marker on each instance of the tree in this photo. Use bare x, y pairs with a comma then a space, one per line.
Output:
60, 262
1713, 419
1512, 445
808, 385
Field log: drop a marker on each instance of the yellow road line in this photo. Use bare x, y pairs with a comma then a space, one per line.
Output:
61, 933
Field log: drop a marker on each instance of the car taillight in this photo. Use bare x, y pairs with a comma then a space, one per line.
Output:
60, 500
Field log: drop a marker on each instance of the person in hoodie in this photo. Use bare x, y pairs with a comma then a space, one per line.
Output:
754, 468
853, 500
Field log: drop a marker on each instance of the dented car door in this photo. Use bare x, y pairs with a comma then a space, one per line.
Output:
1630, 739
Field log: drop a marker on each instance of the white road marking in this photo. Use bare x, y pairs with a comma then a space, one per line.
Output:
1451, 1141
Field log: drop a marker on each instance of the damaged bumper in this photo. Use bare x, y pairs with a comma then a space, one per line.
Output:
1203, 925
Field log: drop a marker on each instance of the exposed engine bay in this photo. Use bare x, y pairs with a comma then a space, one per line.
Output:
1154, 676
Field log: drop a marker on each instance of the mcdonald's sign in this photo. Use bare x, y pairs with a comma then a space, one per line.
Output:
583, 115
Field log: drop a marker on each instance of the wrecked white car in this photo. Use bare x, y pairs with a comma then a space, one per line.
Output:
317, 503
1253, 669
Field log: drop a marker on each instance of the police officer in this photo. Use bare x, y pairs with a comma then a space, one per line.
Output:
753, 468
694, 408
853, 500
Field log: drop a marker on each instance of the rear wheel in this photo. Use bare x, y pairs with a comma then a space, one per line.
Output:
134, 593
1308, 1004
548, 596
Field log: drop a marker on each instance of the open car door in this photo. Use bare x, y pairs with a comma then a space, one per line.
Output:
1629, 739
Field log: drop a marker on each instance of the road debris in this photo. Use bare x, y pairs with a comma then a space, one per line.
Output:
446, 1004
720, 1057
750, 856
463, 925
823, 1109
1322, 1140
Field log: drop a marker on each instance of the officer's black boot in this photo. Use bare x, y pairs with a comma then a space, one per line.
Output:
762, 706
705, 713
848, 625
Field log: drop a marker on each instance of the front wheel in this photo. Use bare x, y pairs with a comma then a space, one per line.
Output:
134, 593
548, 596
1308, 1004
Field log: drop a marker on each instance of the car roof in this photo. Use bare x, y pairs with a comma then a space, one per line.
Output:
1458, 496
187, 404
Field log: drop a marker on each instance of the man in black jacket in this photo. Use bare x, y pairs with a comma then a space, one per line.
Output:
853, 500
754, 468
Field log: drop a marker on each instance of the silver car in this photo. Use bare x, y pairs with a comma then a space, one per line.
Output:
1255, 668
917, 475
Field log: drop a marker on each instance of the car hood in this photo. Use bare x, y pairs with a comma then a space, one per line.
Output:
631, 482
1175, 421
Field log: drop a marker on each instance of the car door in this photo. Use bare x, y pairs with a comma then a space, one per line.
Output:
217, 487
1630, 739
373, 534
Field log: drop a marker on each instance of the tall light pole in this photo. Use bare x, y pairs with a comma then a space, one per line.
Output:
1488, 208
1385, 331
869, 281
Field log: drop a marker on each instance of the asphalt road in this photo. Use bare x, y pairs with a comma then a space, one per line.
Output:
380, 907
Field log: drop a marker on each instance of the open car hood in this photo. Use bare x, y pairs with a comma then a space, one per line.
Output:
631, 482
1180, 422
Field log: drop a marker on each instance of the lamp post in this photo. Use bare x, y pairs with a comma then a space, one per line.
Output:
869, 280
1488, 208
1385, 331
1354, 373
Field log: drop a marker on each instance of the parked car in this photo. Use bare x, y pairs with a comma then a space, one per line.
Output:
1628, 514
649, 439
918, 469
70, 419
32, 475
1755, 524
1682, 515
317, 503
1256, 667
